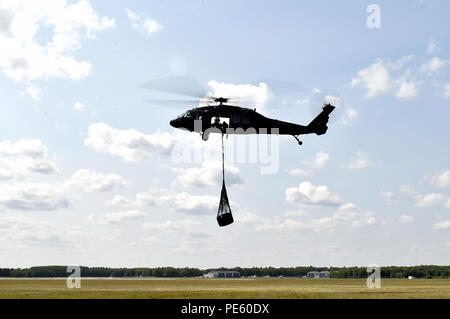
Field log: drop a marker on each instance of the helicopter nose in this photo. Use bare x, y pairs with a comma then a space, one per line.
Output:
173, 123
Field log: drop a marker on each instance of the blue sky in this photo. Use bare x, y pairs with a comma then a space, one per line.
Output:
87, 168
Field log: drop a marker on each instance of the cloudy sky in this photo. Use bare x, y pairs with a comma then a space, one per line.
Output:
91, 174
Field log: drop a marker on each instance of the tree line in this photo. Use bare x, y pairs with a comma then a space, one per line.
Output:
423, 271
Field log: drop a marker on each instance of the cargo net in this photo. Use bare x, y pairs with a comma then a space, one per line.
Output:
224, 216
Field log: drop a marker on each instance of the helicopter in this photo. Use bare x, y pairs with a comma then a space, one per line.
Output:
206, 120
235, 119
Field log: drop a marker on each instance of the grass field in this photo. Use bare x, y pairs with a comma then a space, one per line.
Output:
225, 288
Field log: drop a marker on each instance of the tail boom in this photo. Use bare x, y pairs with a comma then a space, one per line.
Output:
319, 124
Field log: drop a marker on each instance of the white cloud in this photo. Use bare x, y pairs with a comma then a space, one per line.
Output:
347, 215
168, 225
32, 196
405, 219
442, 180
33, 91
150, 240
250, 218
434, 65
171, 225
432, 46
378, 80
319, 161
286, 225
375, 79
179, 202
361, 161
131, 145
407, 90
305, 101
193, 204
366, 220
246, 94
119, 200
308, 194
347, 211
446, 91
408, 190
188, 227
294, 213
442, 225
23, 58
24, 157
350, 115
22, 161
429, 200
400, 63
90, 180
133, 17
447, 203
20, 232
208, 175
117, 217
144, 25
388, 196
151, 26
78, 106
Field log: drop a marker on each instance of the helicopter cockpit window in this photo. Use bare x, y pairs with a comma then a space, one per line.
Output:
188, 115
196, 115
245, 119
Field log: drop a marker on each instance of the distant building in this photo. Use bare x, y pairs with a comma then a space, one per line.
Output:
222, 274
410, 277
317, 274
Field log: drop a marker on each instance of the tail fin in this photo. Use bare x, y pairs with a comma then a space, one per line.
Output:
319, 124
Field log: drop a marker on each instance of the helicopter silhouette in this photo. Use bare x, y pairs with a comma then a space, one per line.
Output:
235, 119
205, 120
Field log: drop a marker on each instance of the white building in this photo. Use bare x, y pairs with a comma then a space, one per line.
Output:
317, 274
312, 274
222, 274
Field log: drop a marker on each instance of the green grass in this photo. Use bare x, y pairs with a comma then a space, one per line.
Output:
225, 288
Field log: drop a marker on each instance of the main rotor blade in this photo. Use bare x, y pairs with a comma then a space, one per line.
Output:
172, 103
189, 103
182, 85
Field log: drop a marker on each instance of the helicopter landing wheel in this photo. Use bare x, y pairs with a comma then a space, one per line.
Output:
299, 142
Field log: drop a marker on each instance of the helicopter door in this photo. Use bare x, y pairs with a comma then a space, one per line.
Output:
240, 120
206, 122
235, 120
245, 121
